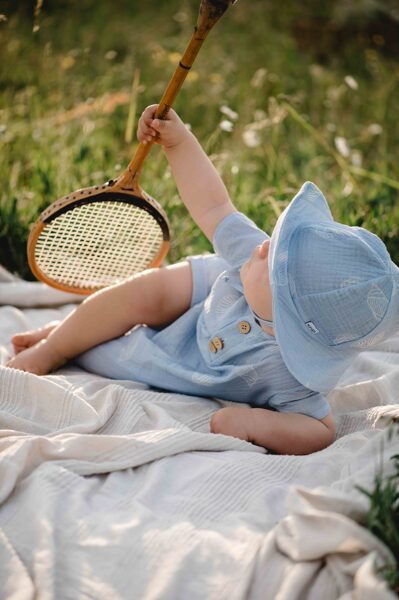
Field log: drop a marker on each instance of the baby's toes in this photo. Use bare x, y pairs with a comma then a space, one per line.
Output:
11, 364
25, 363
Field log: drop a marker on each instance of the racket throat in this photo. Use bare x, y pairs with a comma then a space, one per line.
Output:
128, 181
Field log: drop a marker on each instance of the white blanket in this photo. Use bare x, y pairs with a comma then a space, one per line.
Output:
112, 490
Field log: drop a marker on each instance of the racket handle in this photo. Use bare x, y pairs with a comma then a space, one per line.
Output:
210, 12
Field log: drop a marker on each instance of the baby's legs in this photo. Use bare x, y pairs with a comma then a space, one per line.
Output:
155, 297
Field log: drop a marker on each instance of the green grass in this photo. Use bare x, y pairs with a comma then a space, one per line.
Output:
383, 515
56, 134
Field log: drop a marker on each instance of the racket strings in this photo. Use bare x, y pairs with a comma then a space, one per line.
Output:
95, 244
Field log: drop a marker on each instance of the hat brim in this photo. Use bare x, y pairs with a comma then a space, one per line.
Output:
316, 366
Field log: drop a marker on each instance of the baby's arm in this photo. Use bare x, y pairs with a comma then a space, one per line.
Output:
285, 433
200, 186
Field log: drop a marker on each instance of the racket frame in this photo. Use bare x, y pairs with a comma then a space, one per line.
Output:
92, 195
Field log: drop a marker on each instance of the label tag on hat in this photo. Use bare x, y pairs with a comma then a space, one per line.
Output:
312, 327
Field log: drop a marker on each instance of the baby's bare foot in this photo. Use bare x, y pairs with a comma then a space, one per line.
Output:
26, 339
42, 358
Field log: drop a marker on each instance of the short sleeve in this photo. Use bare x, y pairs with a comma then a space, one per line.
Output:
205, 269
235, 238
312, 404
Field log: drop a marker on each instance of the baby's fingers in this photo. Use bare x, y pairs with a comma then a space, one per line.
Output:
148, 113
145, 135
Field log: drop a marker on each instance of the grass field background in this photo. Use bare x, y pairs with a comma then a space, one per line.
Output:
280, 93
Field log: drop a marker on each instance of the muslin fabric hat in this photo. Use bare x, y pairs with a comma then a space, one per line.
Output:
335, 290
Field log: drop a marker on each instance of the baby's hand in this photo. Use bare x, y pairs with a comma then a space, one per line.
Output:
168, 132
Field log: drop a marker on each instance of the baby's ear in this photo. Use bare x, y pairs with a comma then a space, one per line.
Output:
264, 249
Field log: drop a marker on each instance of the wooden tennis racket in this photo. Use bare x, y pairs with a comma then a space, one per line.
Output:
99, 235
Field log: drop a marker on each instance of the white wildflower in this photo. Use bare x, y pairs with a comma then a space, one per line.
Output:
348, 189
111, 54
356, 158
351, 82
231, 114
251, 138
226, 125
374, 129
342, 146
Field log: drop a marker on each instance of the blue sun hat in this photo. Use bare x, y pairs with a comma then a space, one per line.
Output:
335, 290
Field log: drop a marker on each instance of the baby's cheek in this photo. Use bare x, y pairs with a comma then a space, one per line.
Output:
258, 293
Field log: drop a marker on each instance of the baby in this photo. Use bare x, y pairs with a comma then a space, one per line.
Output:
272, 323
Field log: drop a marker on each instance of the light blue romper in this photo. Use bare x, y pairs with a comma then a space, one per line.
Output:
215, 348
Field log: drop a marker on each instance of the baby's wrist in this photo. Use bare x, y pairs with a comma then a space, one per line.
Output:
184, 138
